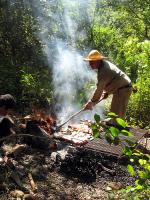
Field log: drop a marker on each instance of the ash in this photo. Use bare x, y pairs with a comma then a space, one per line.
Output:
88, 166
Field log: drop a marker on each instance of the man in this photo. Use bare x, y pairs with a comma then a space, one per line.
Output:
7, 103
111, 80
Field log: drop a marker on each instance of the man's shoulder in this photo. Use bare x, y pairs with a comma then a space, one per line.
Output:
110, 65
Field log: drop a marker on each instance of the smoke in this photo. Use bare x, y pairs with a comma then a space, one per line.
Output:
59, 33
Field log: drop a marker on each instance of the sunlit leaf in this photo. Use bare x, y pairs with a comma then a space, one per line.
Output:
94, 126
111, 114
139, 187
142, 162
114, 131
131, 170
96, 133
121, 122
147, 166
126, 133
142, 174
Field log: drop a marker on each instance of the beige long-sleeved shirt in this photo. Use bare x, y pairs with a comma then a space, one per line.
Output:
110, 79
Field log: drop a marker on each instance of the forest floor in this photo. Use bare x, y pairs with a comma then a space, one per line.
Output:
58, 175
62, 173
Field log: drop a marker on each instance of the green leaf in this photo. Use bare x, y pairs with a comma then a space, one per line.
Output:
128, 188
111, 114
114, 131
121, 122
139, 184
126, 133
131, 170
147, 167
142, 162
97, 118
136, 154
142, 174
147, 155
94, 126
139, 187
96, 133
127, 151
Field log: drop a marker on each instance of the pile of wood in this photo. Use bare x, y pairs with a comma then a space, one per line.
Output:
38, 128
42, 120
40, 124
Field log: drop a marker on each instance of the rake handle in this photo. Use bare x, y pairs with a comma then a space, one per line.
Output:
58, 127
70, 118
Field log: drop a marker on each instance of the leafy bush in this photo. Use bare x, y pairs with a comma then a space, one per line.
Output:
140, 188
139, 105
36, 88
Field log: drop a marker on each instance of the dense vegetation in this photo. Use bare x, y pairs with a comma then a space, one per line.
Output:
119, 29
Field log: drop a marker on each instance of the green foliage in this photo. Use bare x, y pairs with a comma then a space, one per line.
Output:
119, 29
121, 122
20, 46
97, 118
36, 89
140, 189
139, 105
131, 170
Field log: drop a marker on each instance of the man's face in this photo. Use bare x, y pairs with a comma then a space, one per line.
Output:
94, 64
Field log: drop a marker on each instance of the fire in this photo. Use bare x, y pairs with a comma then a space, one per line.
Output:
78, 134
43, 120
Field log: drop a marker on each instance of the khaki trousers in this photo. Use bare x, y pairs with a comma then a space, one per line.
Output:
120, 101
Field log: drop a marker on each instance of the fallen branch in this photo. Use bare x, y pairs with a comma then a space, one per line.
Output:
12, 170
18, 135
32, 183
106, 169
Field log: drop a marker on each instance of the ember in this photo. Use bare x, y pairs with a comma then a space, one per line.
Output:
78, 134
43, 121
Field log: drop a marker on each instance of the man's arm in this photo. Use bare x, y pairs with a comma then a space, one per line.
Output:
95, 98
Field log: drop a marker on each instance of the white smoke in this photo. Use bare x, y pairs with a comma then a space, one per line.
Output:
70, 72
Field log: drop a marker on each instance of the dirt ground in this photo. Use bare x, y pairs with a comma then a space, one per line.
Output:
59, 175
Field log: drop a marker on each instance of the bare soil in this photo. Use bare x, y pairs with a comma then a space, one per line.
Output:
78, 175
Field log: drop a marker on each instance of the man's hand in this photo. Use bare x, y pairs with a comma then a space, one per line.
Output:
104, 95
88, 106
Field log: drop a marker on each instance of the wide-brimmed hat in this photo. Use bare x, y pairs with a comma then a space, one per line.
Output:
94, 55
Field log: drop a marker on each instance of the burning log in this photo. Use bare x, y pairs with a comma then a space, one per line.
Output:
78, 134
42, 120
41, 139
40, 126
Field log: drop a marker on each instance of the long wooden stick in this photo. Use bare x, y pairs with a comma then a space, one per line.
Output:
72, 116
58, 127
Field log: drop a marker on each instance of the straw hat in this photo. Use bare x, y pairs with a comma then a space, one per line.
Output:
94, 55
